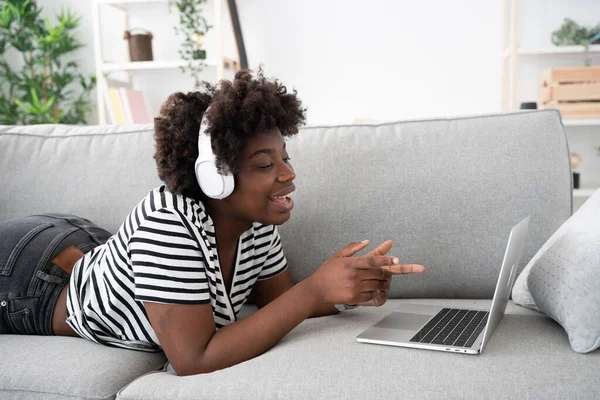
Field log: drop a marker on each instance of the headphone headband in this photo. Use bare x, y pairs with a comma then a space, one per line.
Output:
212, 183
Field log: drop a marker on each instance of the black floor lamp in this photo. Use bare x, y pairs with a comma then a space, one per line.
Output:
237, 31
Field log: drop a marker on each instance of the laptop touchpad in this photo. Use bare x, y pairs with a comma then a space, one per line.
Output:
402, 320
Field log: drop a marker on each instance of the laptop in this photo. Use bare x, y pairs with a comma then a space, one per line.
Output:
450, 329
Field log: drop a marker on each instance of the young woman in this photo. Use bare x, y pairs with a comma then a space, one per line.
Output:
182, 265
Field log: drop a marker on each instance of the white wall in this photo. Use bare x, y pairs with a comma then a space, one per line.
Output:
348, 59
380, 59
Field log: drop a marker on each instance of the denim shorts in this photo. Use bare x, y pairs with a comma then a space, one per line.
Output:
30, 282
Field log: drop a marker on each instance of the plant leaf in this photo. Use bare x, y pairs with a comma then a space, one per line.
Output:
27, 107
35, 99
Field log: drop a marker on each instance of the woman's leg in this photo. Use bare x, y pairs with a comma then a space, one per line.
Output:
30, 282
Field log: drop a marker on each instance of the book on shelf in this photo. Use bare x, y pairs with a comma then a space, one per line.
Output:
116, 105
124, 105
110, 112
134, 104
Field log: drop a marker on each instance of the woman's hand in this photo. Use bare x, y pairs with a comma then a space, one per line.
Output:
364, 280
380, 297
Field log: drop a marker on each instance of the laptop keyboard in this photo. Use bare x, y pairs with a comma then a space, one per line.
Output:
453, 327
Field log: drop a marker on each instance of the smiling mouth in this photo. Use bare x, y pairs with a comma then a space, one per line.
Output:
281, 199
284, 197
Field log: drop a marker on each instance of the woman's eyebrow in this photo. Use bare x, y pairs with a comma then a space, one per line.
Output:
266, 151
262, 151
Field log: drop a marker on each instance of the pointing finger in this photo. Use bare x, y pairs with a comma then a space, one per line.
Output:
401, 269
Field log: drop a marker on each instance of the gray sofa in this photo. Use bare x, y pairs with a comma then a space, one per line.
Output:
447, 192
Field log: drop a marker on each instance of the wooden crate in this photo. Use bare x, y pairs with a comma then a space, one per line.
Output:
575, 91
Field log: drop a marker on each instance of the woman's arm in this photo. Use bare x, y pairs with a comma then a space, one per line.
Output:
187, 332
267, 290
188, 338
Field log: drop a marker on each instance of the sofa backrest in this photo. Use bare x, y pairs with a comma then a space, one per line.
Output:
445, 191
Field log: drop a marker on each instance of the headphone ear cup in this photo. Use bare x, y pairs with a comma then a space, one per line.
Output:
213, 184
228, 185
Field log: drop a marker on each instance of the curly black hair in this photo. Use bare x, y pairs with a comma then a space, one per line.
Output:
239, 110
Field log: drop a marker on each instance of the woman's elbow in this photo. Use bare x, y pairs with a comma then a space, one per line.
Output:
187, 369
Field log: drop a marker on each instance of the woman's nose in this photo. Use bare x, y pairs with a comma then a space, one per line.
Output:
287, 173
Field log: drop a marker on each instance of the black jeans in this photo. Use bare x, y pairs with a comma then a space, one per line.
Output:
29, 282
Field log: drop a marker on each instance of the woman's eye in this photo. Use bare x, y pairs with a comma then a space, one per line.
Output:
287, 159
265, 166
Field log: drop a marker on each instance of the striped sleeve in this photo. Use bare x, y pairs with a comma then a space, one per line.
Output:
168, 266
275, 262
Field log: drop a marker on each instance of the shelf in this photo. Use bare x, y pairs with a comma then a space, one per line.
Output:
581, 122
151, 65
586, 192
122, 4
217, 65
557, 50
125, 2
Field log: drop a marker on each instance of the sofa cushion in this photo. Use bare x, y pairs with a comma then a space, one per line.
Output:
97, 172
446, 191
54, 367
527, 357
563, 279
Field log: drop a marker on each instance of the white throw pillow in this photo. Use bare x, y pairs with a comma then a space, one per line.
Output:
563, 279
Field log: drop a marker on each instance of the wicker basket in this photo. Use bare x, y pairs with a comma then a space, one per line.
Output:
140, 44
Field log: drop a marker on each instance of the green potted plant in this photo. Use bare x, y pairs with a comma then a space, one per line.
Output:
43, 85
192, 26
572, 34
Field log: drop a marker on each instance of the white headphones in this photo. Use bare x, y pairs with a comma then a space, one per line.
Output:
212, 183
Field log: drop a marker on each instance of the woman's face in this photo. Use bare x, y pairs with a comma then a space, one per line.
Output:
263, 182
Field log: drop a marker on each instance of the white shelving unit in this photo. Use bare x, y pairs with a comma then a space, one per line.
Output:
511, 55
147, 65
581, 122
123, 3
218, 63
549, 51
512, 51
583, 193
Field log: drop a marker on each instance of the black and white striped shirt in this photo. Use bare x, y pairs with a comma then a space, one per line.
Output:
164, 252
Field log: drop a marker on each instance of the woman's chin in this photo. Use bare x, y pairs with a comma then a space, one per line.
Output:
279, 219
283, 219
